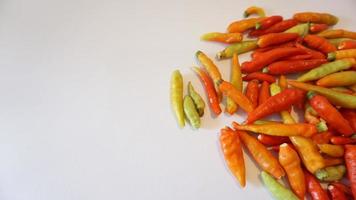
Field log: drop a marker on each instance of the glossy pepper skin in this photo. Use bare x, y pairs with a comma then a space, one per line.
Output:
314, 188
270, 140
293, 66
314, 17
236, 81
340, 140
264, 93
329, 113
275, 38
238, 48
177, 97
232, 149
329, 174
198, 101
254, 10
319, 43
278, 191
314, 54
191, 112
340, 54
323, 137
252, 92
344, 78
259, 76
316, 28
347, 44
276, 103
227, 38
336, 193
350, 160
332, 150
243, 25
300, 29
268, 22
276, 28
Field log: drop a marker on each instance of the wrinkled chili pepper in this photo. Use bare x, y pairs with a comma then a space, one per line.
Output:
314, 188
336, 193
316, 28
337, 33
332, 150
300, 29
350, 160
252, 92
243, 25
177, 97
344, 78
276, 28
270, 140
254, 10
350, 116
222, 37
268, 22
295, 66
297, 129
198, 101
278, 191
340, 54
238, 48
259, 76
264, 93
314, 17
191, 112
347, 44
236, 81
314, 54
319, 43
275, 39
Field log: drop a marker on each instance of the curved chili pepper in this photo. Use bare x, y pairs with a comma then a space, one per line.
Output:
316, 28
236, 80
350, 160
297, 129
275, 38
342, 187
259, 76
336, 98
230, 91
264, 93
177, 97
276, 28
270, 140
350, 116
210, 90
323, 137
269, 57
254, 10
300, 29
222, 37
347, 44
191, 112
336, 193
340, 140
329, 113
268, 22
252, 92
338, 33
340, 54
332, 150
276, 103
238, 48
319, 43
330, 161
198, 101
345, 78
231, 147
261, 155
314, 188
314, 17
326, 69
278, 191
314, 54
295, 66
290, 162
299, 57
243, 25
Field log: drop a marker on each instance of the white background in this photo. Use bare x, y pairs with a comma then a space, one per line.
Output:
84, 106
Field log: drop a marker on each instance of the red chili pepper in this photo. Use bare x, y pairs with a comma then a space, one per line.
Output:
315, 54
269, 57
316, 28
270, 140
340, 140
299, 57
252, 92
314, 187
268, 22
336, 193
342, 187
264, 93
276, 28
323, 137
329, 113
347, 44
276, 38
350, 116
256, 54
277, 103
259, 76
319, 43
350, 160
295, 66
287, 44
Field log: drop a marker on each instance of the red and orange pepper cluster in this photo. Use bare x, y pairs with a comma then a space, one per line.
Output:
310, 151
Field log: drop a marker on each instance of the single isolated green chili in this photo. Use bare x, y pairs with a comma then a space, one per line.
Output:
198, 101
278, 191
329, 174
191, 112
238, 48
301, 29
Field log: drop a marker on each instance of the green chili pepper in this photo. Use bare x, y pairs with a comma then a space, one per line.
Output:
278, 191
301, 29
191, 112
333, 173
177, 96
198, 101
239, 48
326, 69
337, 41
274, 89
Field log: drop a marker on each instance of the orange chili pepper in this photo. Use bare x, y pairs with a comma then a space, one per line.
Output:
268, 22
254, 10
350, 116
261, 155
276, 28
297, 129
230, 91
340, 54
236, 80
314, 188
332, 150
259, 76
323, 137
316, 28
319, 43
276, 38
252, 92
313, 53
344, 78
270, 140
231, 147
337, 33
347, 44
290, 162
222, 37
340, 140
314, 17
243, 25
329, 161
282, 82
210, 90
264, 93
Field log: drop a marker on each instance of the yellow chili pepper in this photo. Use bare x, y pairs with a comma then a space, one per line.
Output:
347, 53
332, 150
236, 80
254, 10
243, 25
222, 37
338, 33
177, 96
345, 78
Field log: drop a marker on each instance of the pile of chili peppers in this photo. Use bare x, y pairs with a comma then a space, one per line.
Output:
312, 153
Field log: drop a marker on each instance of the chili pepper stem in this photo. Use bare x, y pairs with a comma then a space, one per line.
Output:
331, 56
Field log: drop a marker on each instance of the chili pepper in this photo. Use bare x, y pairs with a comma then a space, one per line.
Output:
276, 28
350, 160
314, 188
261, 155
348, 53
269, 57
210, 90
177, 97
230, 91
256, 54
316, 28
198, 101
243, 25
252, 92
332, 150
321, 126
314, 17
309, 117
259, 76
290, 162
276, 103
257, 122
342, 187
350, 116
353, 87
336, 193
323, 137
278, 191
309, 153
344, 78
222, 37
270, 140
319, 43
295, 66
326, 69
337, 41
336, 98
254, 10
231, 147
342, 89
275, 38
329, 161
347, 44
338, 33
268, 22
297, 129
287, 44
329, 113
314, 54
300, 29
282, 82
299, 57
264, 92
239, 48
191, 112
329, 174
236, 81
340, 140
